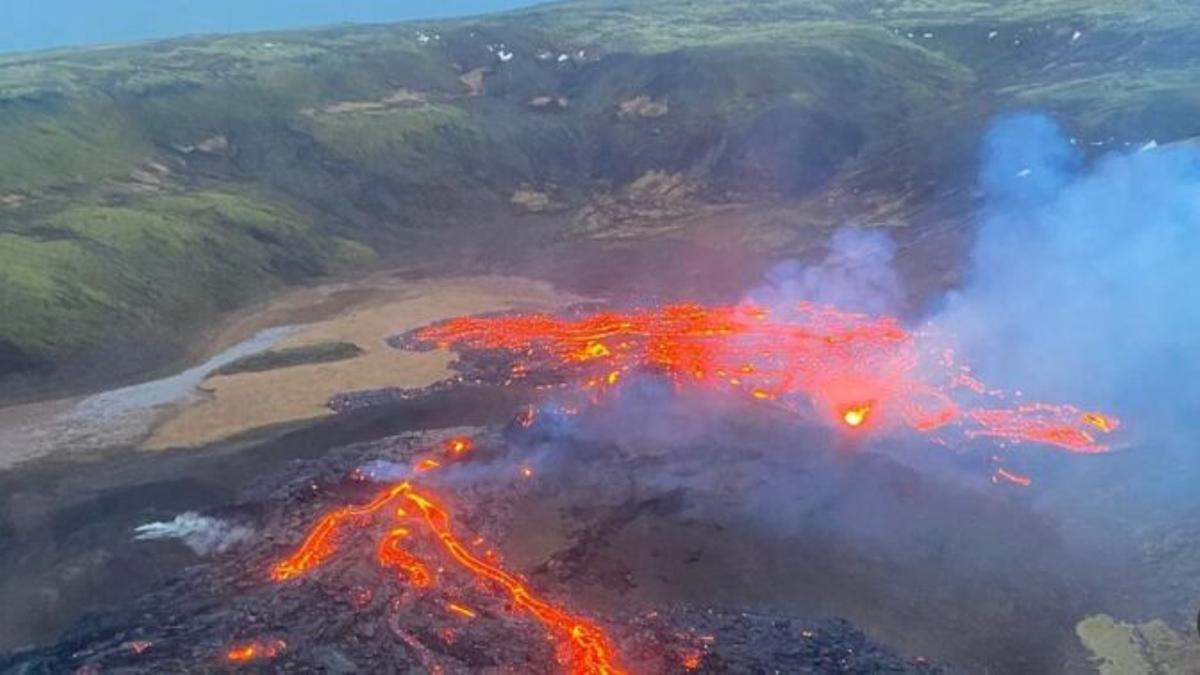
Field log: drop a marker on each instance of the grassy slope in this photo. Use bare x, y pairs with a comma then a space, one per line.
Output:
145, 189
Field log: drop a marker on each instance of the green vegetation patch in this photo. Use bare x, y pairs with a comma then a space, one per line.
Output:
152, 266
145, 189
427, 141
324, 352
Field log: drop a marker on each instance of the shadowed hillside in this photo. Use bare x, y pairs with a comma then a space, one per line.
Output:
146, 190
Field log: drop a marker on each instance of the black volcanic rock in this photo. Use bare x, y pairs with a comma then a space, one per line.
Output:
352, 616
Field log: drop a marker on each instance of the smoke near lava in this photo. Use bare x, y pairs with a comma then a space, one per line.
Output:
1037, 318
203, 534
1081, 280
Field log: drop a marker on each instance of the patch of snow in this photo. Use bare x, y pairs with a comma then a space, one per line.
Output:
928, 36
1152, 144
504, 56
563, 58
992, 35
1024, 172
1076, 35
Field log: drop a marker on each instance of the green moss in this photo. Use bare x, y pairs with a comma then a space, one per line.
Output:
60, 145
791, 95
1158, 104
154, 266
324, 352
426, 141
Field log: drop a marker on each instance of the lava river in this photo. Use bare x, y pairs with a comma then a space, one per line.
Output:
582, 646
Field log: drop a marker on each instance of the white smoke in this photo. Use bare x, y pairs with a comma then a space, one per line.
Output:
203, 534
1082, 278
856, 275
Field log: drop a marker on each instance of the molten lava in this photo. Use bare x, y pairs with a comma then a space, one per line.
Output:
853, 372
249, 652
586, 648
811, 360
856, 416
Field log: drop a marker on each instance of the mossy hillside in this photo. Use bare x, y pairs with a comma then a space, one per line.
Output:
60, 143
151, 266
146, 188
423, 144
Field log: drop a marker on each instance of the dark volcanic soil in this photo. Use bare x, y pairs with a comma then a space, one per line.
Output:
351, 616
734, 540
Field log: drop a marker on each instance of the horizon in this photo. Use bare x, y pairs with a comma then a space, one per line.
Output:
30, 25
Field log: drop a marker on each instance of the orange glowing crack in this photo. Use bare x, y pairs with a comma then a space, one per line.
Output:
590, 650
1056, 425
1011, 478
391, 554
461, 610
691, 659
248, 652
590, 647
1101, 421
320, 544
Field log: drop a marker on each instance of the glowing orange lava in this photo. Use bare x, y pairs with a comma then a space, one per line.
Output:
856, 416
856, 373
248, 652
587, 649
319, 545
461, 610
811, 359
457, 447
1012, 478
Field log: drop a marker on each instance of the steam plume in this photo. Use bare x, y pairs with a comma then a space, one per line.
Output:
1081, 282
202, 534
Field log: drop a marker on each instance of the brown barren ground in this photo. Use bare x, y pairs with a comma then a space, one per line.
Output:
368, 314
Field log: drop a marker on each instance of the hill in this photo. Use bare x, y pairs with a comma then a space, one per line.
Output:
146, 190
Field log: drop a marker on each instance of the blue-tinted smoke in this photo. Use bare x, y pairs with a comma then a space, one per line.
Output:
856, 275
1082, 284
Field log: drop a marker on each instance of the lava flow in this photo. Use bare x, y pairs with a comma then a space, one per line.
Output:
854, 371
249, 652
583, 646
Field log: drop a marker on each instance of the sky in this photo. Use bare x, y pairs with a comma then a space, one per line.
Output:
39, 24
